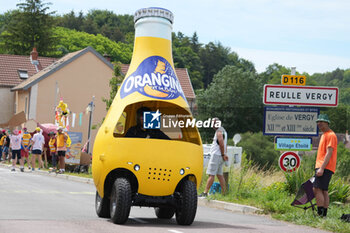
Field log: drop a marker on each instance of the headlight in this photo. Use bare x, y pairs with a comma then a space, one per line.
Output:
137, 167
182, 171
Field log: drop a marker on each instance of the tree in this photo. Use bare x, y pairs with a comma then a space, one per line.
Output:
71, 21
260, 149
235, 97
71, 40
114, 84
30, 26
214, 57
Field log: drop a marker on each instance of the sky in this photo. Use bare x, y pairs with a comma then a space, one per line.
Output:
311, 35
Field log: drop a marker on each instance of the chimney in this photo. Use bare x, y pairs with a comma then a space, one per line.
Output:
34, 55
107, 57
34, 60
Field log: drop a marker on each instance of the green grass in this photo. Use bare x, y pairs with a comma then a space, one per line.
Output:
268, 190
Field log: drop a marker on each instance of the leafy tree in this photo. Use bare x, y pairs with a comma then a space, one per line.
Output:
214, 57
30, 26
72, 21
273, 74
235, 97
114, 84
260, 149
71, 40
339, 117
345, 96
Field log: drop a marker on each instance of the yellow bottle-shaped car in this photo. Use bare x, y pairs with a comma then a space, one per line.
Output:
148, 151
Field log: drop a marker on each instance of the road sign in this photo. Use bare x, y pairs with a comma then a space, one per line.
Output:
295, 144
298, 80
289, 161
301, 95
294, 121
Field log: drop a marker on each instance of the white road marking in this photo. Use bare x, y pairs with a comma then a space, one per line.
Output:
89, 193
175, 231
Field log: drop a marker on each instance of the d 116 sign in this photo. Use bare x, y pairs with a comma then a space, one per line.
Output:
289, 161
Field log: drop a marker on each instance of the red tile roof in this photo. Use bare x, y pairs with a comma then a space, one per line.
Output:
183, 77
10, 64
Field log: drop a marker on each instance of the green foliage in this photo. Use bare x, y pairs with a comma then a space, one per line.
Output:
338, 190
339, 117
235, 97
343, 161
295, 179
31, 25
72, 40
114, 84
214, 57
260, 149
104, 22
185, 57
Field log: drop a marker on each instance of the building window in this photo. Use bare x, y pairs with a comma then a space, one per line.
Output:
23, 74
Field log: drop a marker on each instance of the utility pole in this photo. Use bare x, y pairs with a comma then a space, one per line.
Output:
90, 108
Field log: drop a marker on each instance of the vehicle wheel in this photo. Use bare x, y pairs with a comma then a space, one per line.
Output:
102, 206
186, 211
120, 203
164, 212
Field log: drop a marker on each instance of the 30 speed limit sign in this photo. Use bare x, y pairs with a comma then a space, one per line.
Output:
289, 161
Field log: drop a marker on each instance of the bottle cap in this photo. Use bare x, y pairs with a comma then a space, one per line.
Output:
154, 12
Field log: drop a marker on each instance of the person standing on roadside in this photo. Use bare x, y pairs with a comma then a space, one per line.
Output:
37, 144
326, 161
1, 142
52, 146
5, 146
218, 156
15, 145
26, 138
61, 140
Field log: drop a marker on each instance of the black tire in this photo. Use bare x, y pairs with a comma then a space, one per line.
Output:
164, 212
102, 206
120, 202
186, 211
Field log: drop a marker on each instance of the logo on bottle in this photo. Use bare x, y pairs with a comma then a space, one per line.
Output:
153, 78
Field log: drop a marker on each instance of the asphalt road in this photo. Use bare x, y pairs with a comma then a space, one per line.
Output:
30, 202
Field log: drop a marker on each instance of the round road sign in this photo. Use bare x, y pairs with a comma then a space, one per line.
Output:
289, 161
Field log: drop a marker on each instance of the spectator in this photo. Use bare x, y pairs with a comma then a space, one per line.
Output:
26, 138
5, 147
2, 133
218, 156
52, 146
37, 144
61, 141
15, 145
326, 161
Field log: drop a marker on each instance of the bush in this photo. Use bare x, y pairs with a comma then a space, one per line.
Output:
338, 191
260, 149
343, 161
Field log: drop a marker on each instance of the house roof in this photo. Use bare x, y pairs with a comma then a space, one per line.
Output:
57, 65
11, 64
183, 77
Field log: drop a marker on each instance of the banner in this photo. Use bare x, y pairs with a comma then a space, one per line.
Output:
74, 152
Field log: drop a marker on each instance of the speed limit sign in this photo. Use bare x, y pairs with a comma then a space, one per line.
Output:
289, 161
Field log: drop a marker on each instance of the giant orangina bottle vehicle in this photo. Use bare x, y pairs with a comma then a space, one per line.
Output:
152, 172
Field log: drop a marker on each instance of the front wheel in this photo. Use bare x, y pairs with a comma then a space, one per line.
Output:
120, 202
186, 211
164, 212
102, 206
